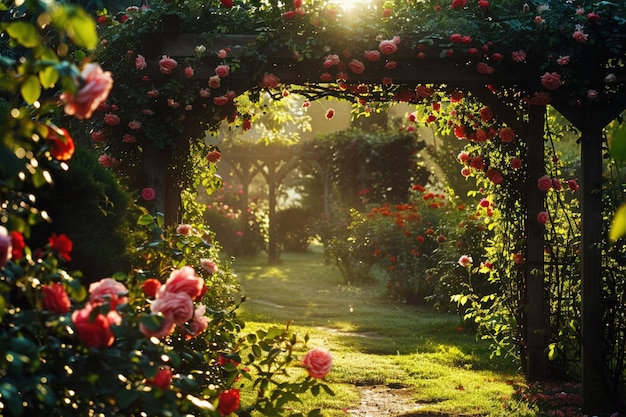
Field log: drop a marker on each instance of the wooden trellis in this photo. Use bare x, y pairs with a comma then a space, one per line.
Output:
589, 119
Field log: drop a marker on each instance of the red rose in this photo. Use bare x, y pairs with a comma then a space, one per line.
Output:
507, 135
93, 90
151, 286
17, 241
227, 3
62, 144
94, 332
213, 156
62, 244
162, 379
228, 402
55, 298
318, 362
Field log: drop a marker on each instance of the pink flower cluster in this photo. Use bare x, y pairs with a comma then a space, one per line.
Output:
93, 322
545, 183
174, 300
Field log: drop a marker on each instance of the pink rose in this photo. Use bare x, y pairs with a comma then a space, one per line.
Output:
456, 38
592, 94
356, 66
220, 101
183, 280
184, 229
209, 266
222, 71
542, 217
140, 63
215, 81
204, 93
391, 65
107, 161
134, 125
326, 77
551, 80
389, 46
465, 260
108, 290
484, 68
94, 331
544, 183
189, 72
199, 322
148, 194
55, 298
98, 136
318, 362
269, 81
372, 56
222, 53
111, 119
127, 138
518, 56
580, 36
94, 88
331, 60
167, 65
153, 93
563, 60
176, 305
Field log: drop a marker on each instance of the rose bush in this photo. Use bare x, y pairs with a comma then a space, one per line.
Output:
68, 349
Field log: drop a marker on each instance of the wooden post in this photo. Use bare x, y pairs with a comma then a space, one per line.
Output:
594, 379
535, 298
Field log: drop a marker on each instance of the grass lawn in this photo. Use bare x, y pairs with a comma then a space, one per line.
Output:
440, 368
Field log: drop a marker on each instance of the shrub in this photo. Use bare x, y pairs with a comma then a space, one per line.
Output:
89, 205
294, 228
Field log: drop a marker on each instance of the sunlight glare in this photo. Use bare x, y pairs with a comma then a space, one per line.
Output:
352, 4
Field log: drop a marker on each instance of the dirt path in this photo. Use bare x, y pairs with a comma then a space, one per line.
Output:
383, 401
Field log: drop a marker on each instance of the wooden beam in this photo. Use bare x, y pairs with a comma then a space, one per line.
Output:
536, 300
594, 379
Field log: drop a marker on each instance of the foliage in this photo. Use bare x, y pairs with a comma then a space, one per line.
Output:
356, 163
295, 228
90, 206
161, 339
240, 233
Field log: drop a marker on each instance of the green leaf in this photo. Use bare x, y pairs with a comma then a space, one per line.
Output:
48, 77
618, 142
3, 307
126, 398
152, 322
30, 89
24, 33
81, 28
618, 226
145, 220
77, 290
11, 398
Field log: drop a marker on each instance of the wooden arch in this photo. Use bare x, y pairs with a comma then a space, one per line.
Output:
590, 119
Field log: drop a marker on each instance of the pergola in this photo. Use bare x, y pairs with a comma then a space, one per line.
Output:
589, 119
